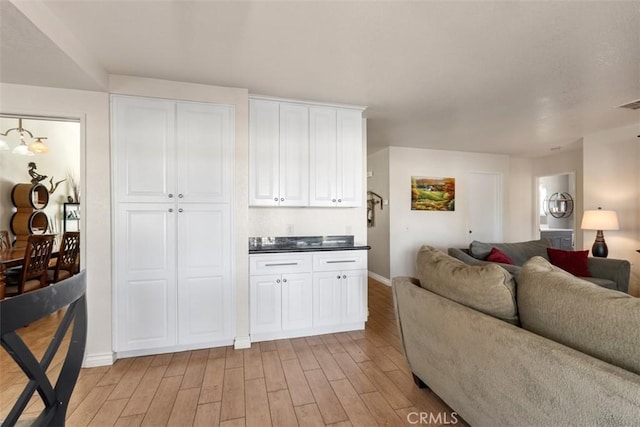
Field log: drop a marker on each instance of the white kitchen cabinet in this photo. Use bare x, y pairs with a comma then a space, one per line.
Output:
280, 294
307, 293
173, 225
165, 149
339, 287
279, 153
336, 157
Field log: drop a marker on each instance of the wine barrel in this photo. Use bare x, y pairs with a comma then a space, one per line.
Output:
25, 223
33, 196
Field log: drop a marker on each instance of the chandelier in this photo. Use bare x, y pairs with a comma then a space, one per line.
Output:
36, 146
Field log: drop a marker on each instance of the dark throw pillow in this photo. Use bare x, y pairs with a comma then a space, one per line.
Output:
575, 262
496, 255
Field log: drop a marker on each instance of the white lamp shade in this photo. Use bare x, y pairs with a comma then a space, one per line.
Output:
22, 149
38, 147
600, 220
4, 145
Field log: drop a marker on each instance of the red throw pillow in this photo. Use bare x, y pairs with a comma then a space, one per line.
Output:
496, 255
575, 262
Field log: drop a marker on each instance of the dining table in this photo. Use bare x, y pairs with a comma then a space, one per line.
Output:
13, 257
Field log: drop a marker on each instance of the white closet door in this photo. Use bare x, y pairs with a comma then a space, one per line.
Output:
264, 153
204, 273
485, 207
204, 152
143, 133
323, 152
146, 276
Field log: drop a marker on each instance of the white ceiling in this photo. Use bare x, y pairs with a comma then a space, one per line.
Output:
498, 77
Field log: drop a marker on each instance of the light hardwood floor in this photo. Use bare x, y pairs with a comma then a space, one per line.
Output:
352, 378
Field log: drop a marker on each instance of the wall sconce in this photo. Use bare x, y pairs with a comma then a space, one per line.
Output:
600, 220
36, 146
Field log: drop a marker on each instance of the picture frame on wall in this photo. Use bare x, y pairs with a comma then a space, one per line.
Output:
433, 193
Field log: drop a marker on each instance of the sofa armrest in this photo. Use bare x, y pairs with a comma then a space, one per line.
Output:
617, 270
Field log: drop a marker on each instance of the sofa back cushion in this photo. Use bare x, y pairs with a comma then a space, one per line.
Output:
518, 252
597, 321
487, 288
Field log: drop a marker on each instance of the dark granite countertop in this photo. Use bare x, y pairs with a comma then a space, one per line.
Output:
270, 245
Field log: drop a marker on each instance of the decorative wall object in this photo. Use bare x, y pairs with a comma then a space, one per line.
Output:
433, 194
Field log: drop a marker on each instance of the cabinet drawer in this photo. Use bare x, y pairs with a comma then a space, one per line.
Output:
296, 262
339, 260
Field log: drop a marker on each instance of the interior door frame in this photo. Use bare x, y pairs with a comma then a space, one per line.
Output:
536, 205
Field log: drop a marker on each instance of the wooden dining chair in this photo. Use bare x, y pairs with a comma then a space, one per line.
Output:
66, 264
33, 274
5, 244
53, 386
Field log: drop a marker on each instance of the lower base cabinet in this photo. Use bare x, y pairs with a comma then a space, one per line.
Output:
300, 298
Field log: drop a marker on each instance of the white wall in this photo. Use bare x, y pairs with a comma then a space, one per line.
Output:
239, 98
378, 236
62, 159
611, 181
92, 108
519, 221
411, 229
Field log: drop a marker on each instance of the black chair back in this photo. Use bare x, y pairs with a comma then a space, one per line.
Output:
24, 309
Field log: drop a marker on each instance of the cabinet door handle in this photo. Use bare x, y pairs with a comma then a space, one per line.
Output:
180, 196
338, 276
339, 200
340, 261
180, 210
282, 199
280, 264
278, 281
333, 200
275, 199
344, 276
284, 280
170, 209
170, 196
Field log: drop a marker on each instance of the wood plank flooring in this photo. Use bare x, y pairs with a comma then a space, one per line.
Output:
345, 379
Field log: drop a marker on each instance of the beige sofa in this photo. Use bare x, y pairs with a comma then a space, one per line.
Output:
574, 361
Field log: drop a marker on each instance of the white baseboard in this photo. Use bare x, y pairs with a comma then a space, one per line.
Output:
100, 359
379, 278
242, 342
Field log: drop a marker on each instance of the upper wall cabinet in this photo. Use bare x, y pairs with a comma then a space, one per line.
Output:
336, 157
279, 156
168, 149
304, 154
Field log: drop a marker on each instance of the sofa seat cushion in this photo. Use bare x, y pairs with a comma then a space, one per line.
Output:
487, 288
518, 252
589, 318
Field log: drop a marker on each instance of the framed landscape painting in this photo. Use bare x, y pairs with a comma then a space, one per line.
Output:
433, 194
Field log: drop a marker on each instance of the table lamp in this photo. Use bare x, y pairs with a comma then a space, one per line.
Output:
600, 220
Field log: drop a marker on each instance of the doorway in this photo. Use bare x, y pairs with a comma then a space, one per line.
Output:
555, 215
58, 170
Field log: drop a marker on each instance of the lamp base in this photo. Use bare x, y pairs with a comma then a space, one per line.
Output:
599, 248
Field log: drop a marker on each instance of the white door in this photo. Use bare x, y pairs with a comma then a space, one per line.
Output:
204, 273
204, 152
349, 159
264, 153
294, 155
327, 297
485, 207
143, 135
354, 296
297, 297
322, 157
266, 303
146, 276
